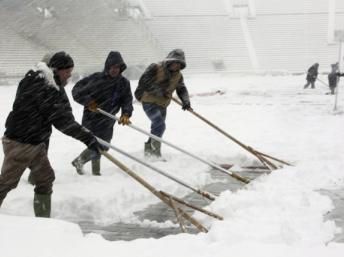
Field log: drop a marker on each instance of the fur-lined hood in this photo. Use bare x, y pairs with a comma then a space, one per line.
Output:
46, 73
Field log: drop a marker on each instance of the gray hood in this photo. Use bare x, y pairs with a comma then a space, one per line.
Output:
176, 55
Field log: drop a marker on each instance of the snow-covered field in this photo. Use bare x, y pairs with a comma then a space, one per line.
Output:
281, 214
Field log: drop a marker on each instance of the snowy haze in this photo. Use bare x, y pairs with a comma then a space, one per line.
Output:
280, 214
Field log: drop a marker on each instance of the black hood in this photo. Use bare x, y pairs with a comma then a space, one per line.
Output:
61, 61
113, 58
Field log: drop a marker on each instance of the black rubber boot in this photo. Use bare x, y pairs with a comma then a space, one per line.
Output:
42, 205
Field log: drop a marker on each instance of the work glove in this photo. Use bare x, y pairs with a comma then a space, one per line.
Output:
124, 119
95, 146
92, 106
187, 106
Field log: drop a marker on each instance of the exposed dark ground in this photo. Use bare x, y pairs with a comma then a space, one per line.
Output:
161, 212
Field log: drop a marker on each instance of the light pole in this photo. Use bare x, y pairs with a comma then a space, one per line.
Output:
339, 37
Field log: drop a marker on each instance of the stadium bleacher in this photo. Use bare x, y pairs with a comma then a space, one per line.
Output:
285, 35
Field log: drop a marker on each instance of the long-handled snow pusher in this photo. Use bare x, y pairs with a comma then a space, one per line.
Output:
213, 165
263, 158
322, 82
171, 201
161, 172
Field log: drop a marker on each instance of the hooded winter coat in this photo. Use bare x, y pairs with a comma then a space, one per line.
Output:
41, 103
157, 83
333, 79
312, 73
110, 94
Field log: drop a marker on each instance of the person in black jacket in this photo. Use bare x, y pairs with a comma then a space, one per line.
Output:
333, 78
312, 75
109, 91
40, 103
154, 91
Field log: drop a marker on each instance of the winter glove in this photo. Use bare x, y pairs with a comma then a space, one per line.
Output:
124, 119
95, 146
187, 106
92, 106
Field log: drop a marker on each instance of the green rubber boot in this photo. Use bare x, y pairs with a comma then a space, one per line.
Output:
148, 148
156, 148
96, 167
42, 205
79, 161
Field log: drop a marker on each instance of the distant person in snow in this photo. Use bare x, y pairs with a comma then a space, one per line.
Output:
40, 103
333, 77
154, 91
312, 75
110, 91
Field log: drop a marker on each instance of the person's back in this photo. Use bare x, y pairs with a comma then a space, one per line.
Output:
313, 72
312, 75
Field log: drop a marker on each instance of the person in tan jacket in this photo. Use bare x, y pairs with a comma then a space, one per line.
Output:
154, 91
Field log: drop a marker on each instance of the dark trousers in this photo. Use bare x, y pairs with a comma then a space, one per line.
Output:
333, 90
310, 83
157, 116
20, 156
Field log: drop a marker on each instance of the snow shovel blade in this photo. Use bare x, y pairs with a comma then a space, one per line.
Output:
255, 167
226, 166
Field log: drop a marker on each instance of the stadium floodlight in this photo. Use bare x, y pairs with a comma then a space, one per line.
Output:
339, 37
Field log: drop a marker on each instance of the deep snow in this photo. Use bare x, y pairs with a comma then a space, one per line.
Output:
280, 214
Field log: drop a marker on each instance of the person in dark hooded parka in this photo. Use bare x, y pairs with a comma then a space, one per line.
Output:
154, 91
110, 91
